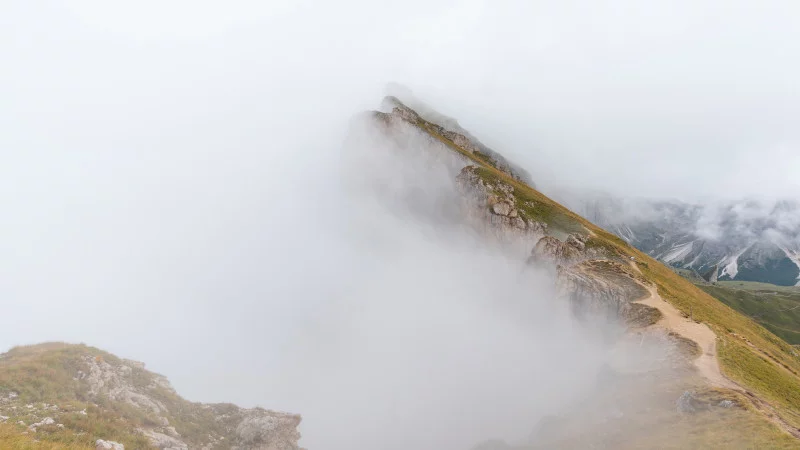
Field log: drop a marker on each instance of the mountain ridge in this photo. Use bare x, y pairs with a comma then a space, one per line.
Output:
751, 399
762, 366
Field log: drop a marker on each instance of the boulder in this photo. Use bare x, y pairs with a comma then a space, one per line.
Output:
687, 403
108, 445
577, 241
502, 209
553, 251
268, 430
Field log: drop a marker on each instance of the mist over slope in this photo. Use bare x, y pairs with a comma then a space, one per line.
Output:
440, 340
405, 164
170, 185
446, 304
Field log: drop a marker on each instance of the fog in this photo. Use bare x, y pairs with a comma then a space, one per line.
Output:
174, 190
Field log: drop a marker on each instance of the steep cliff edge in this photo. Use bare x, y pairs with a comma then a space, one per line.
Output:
73, 396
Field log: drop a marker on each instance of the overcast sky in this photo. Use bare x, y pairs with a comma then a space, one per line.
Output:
695, 98
162, 160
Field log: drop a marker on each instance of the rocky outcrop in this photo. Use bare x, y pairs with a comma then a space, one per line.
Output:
113, 382
577, 241
449, 129
400, 110
712, 274
164, 441
600, 287
120, 392
265, 430
590, 295
247, 428
551, 251
492, 208
108, 445
594, 284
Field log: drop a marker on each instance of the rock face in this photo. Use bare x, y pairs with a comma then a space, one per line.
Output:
492, 208
598, 288
142, 407
594, 284
108, 445
448, 128
400, 110
250, 428
164, 441
550, 250
711, 275
264, 430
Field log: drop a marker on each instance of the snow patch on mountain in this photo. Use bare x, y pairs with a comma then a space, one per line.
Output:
731, 265
677, 253
731, 268
626, 233
746, 239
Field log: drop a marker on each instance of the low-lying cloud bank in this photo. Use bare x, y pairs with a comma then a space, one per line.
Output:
738, 221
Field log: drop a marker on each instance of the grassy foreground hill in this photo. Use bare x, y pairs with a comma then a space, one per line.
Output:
776, 308
765, 367
63, 396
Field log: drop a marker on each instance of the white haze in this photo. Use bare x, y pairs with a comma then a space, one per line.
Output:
170, 187
430, 338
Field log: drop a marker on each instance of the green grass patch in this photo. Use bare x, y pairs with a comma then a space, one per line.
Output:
776, 309
485, 158
775, 384
533, 205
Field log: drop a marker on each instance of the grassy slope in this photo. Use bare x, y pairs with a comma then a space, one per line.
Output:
45, 373
756, 286
12, 439
749, 354
777, 308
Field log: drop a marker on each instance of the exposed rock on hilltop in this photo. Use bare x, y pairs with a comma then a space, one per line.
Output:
75, 393
493, 208
601, 287
593, 282
552, 251
448, 130
593, 279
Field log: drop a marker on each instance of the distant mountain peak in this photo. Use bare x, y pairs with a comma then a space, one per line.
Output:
748, 240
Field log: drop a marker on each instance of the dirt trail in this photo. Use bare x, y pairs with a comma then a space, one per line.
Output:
707, 363
700, 333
